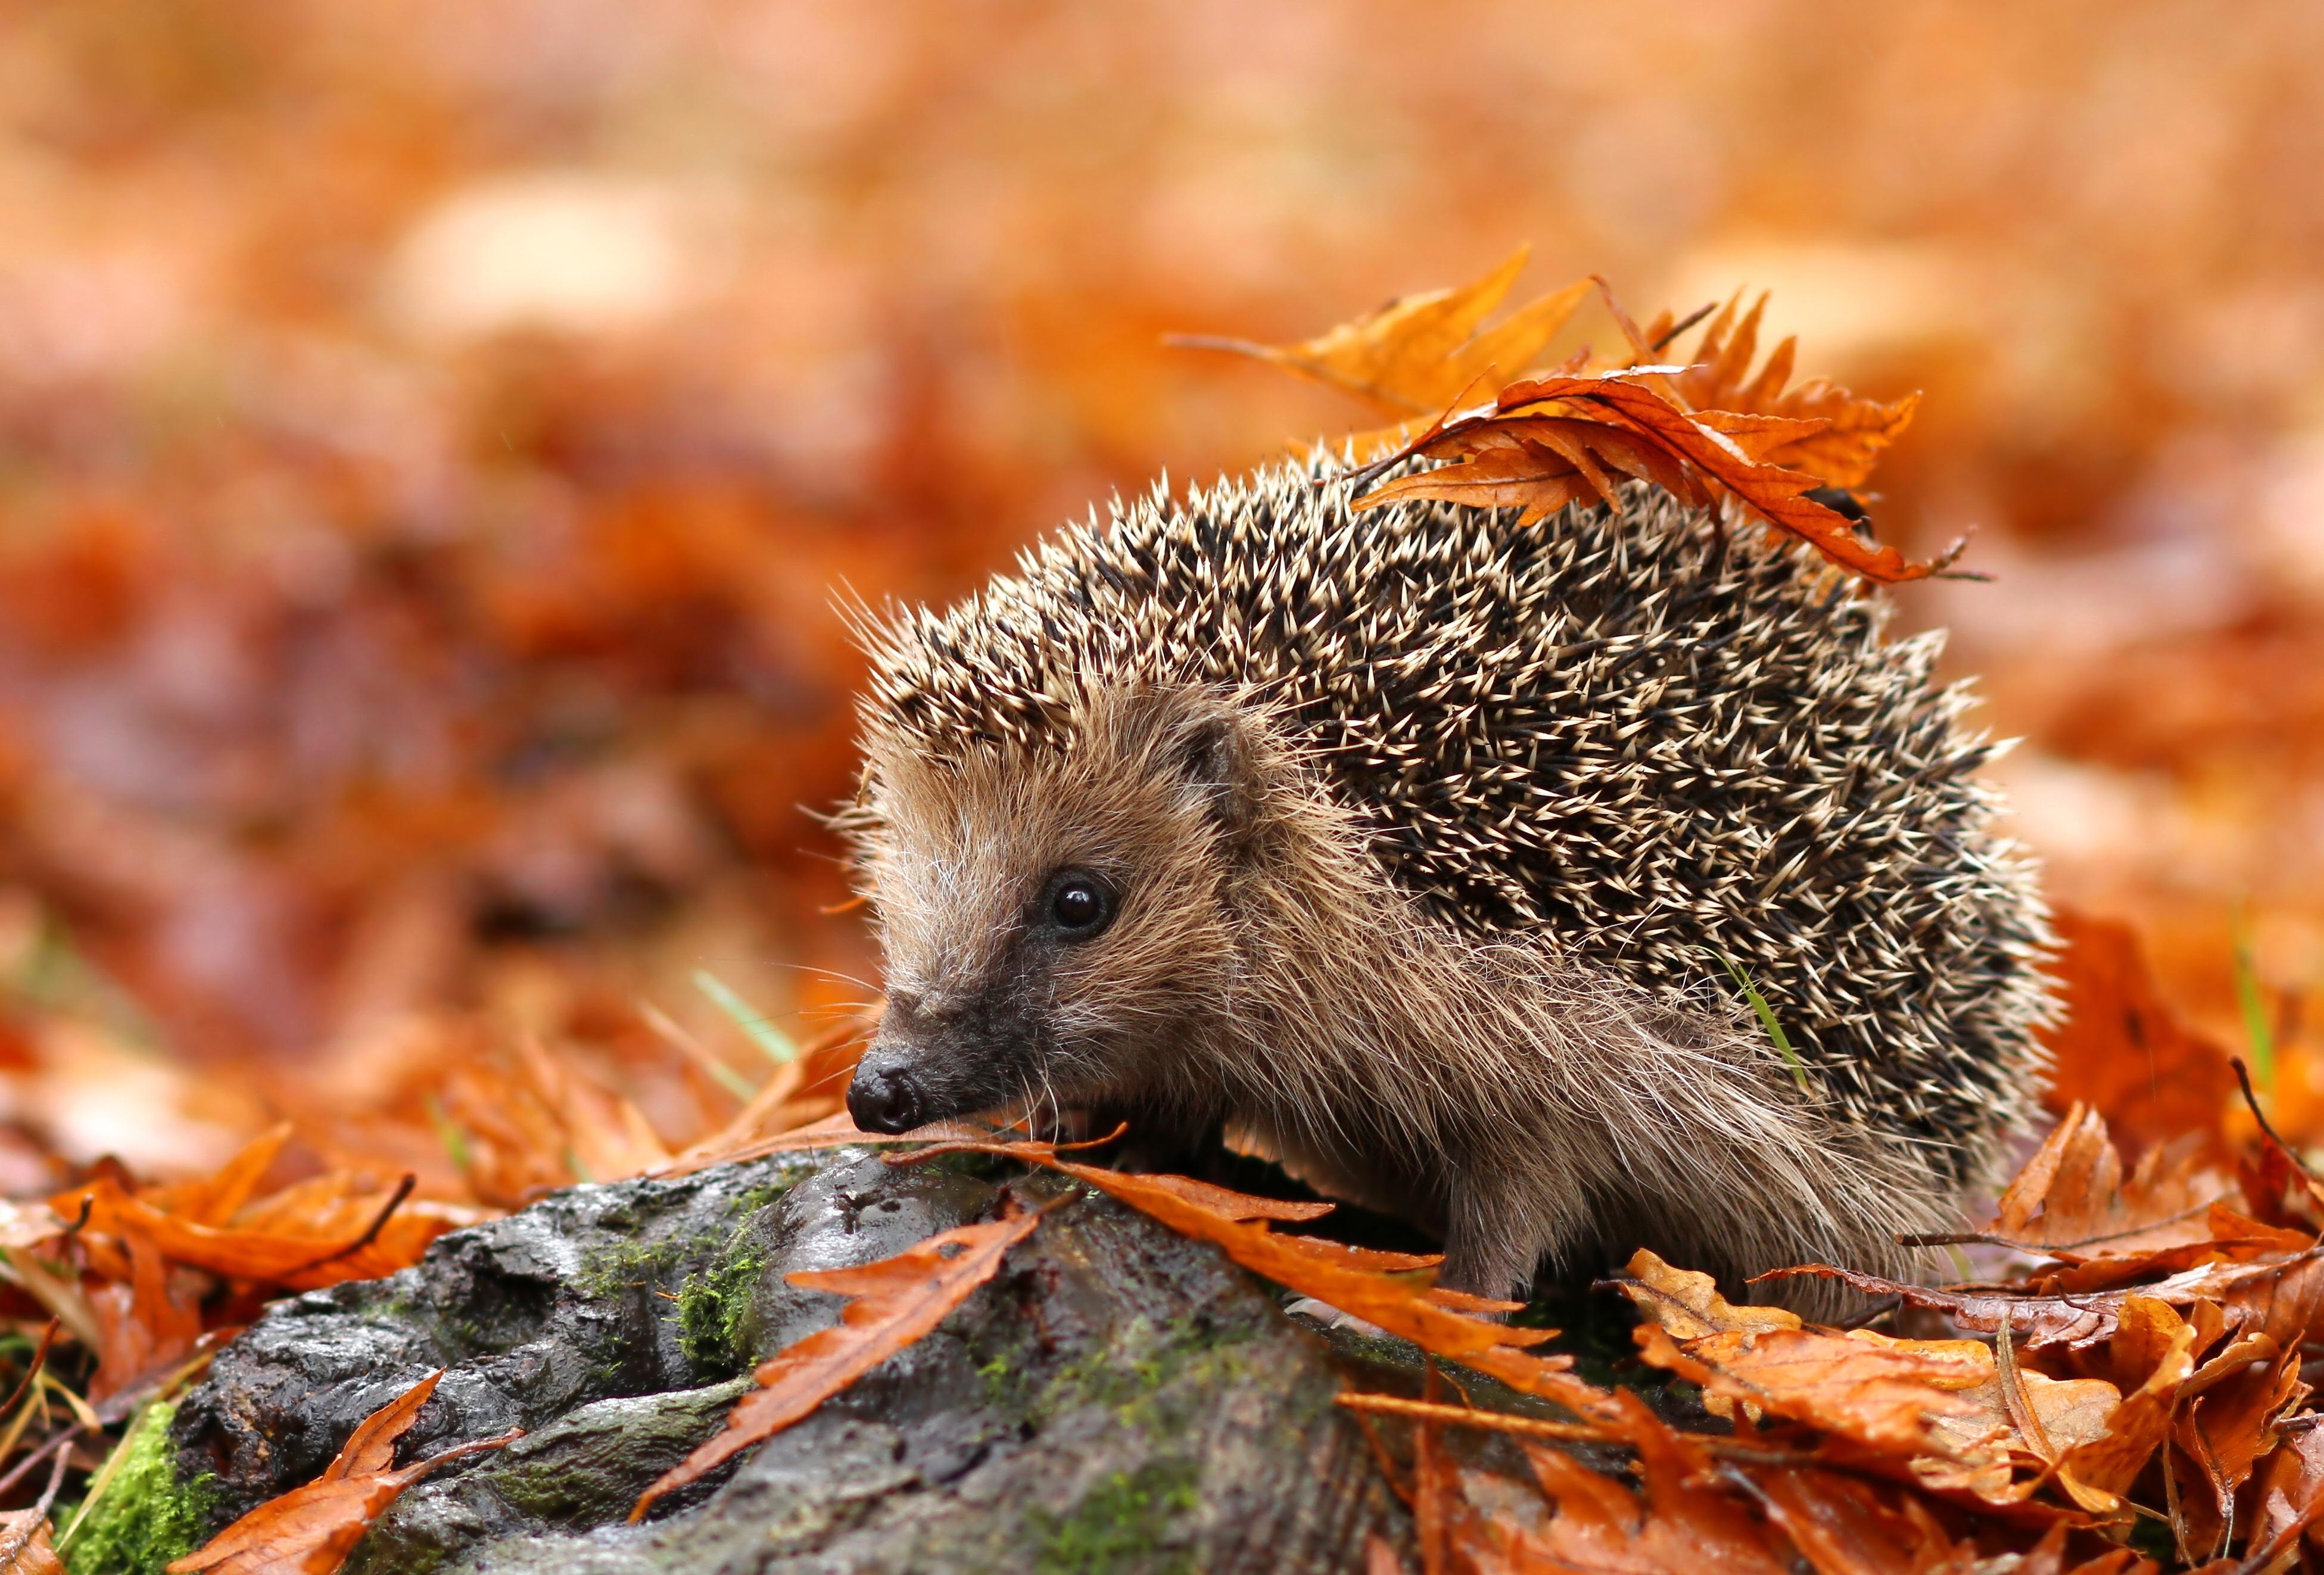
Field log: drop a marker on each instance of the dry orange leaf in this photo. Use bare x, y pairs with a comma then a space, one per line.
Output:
1948, 1404
1547, 442
1825, 431
284, 1257
1419, 353
37, 1554
1390, 1290
897, 1301
146, 1326
2096, 1472
1673, 1528
2119, 1050
310, 1529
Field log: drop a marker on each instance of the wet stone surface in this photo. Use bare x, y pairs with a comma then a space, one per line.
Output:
1116, 1399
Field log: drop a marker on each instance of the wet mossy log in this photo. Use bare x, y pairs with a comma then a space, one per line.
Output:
1117, 1398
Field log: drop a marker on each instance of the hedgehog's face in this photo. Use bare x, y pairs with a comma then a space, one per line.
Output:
1053, 920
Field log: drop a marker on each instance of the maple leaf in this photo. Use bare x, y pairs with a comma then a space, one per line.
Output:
897, 1301
311, 1529
1543, 443
1419, 353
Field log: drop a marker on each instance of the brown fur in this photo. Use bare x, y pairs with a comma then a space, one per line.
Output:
1425, 874
1263, 971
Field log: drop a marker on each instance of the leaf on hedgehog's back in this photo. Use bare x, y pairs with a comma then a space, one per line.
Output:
2119, 1050
1545, 442
1821, 428
1420, 352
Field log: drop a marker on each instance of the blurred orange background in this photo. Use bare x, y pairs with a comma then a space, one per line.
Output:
431, 437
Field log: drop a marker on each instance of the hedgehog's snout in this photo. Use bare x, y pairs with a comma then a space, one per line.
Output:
884, 1096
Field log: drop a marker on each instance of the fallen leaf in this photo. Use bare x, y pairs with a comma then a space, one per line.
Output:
2096, 1472
2229, 1410
278, 1256
1947, 1404
311, 1529
1675, 1527
2284, 1296
36, 1555
1846, 1525
896, 1302
147, 1326
2291, 1496
2070, 1200
1389, 1290
2119, 1051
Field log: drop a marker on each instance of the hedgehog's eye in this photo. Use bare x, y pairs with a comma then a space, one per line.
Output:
1079, 905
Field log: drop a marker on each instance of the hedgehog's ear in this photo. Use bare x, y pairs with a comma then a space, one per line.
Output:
1207, 746
1214, 754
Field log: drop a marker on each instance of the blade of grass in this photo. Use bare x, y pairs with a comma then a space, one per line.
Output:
1766, 1020
2257, 1031
106, 1473
695, 1051
772, 1042
449, 1133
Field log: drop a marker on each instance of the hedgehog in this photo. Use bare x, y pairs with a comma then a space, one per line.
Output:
1463, 865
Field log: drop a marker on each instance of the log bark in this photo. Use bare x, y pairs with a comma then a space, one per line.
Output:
1116, 1399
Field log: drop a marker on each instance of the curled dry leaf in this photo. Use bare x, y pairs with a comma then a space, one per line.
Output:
2095, 1473
1543, 443
897, 1301
2291, 1496
1826, 432
310, 1529
281, 1257
1674, 1526
1945, 1405
2280, 1297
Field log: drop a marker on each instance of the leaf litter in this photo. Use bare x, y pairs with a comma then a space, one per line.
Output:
2126, 1385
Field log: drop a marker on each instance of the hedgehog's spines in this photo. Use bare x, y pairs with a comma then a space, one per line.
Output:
1599, 726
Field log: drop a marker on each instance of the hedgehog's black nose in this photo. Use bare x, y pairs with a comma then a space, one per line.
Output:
883, 1098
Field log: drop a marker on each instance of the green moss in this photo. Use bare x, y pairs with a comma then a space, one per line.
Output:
711, 1305
146, 1516
1128, 1376
630, 1265
996, 1375
1122, 1524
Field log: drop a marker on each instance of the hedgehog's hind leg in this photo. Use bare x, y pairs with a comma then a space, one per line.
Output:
1496, 1237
